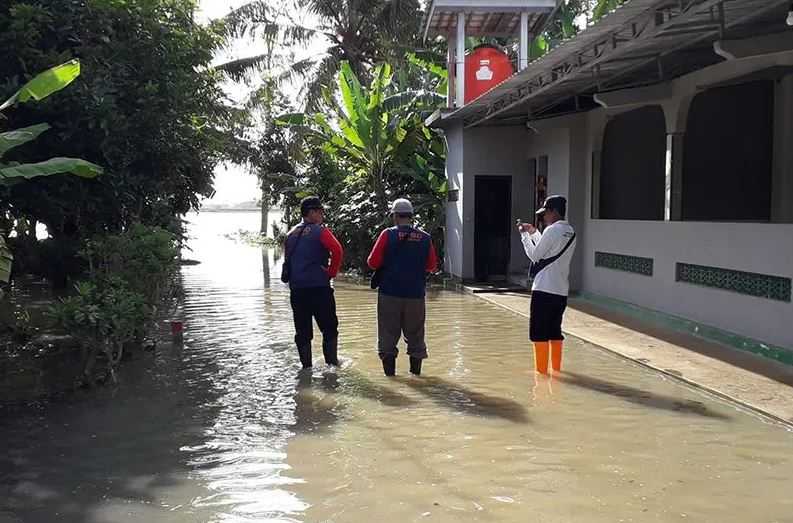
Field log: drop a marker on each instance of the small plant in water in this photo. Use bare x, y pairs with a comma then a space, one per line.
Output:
252, 238
19, 326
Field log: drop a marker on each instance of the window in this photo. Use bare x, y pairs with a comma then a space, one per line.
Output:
632, 166
728, 154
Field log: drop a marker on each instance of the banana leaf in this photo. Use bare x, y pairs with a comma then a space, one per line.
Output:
44, 84
17, 137
81, 168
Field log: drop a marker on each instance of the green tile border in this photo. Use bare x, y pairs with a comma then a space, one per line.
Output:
749, 283
624, 262
676, 323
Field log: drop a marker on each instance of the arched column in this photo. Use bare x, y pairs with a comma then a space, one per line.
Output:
676, 113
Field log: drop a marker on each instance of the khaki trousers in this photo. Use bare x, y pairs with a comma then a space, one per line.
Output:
397, 317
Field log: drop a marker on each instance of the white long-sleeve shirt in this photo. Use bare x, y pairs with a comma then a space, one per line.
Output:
555, 278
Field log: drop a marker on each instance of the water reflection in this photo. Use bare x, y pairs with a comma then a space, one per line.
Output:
228, 430
266, 268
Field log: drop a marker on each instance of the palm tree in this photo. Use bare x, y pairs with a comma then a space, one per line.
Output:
263, 148
361, 33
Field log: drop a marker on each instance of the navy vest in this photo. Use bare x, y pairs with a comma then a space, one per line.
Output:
308, 257
405, 262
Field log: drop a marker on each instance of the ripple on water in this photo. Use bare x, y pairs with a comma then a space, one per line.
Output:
225, 429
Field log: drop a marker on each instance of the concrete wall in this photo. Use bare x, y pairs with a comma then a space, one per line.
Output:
495, 151
563, 141
569, 143
765, 248
453, 262
761, 248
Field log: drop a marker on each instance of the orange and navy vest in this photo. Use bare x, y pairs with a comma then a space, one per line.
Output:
308, 257
405, 262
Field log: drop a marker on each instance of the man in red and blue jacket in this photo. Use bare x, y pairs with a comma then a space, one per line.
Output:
315, 257
404, 255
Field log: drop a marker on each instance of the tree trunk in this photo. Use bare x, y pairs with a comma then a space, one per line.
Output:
265, 211
379, 190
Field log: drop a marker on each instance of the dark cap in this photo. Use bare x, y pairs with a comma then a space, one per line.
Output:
309, 203
554, 203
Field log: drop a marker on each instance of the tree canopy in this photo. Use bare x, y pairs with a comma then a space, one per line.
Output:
147, 107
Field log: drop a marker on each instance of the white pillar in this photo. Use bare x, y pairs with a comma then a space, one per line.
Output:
523, 62
673, 194
460, 58
451, 67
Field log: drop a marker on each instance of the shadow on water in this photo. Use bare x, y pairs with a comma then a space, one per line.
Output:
639, 397
454, 396
87, 458
357, 384
319, 400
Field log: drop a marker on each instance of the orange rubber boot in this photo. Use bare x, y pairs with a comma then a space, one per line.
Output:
541, 349
556, 355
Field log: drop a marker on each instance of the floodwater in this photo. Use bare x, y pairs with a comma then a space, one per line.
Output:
223, 429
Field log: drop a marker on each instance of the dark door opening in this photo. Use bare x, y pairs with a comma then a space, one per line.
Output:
492, 227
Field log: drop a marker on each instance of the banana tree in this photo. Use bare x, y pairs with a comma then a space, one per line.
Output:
40, 87
369, 128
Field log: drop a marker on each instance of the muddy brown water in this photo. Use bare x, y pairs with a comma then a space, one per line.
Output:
223, 429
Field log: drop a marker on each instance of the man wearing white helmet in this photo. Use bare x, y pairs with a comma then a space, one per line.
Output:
401, 258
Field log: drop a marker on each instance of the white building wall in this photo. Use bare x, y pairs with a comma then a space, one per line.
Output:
564, 141
453, 259
496, 151
765, 248
569, 143
760, 248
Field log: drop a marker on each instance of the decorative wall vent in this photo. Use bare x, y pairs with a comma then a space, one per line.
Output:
750, 283
623, 262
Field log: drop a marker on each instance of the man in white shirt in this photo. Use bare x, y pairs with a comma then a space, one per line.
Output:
550, 252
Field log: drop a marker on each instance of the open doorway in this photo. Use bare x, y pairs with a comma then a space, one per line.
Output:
540, 187
492, 226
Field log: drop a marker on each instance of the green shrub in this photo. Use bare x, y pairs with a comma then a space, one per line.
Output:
129, 276
105, 317
145, 258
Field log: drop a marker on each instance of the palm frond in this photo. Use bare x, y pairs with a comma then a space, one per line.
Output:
324, 78
329, 9
299, 70
241, 68
393, 14
240, 21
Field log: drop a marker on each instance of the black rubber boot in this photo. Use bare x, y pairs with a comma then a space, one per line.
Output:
389, 365
415, 366
305, 356
330, 348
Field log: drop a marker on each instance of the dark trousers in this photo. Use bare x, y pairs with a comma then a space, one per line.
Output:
315, 303
545, 316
